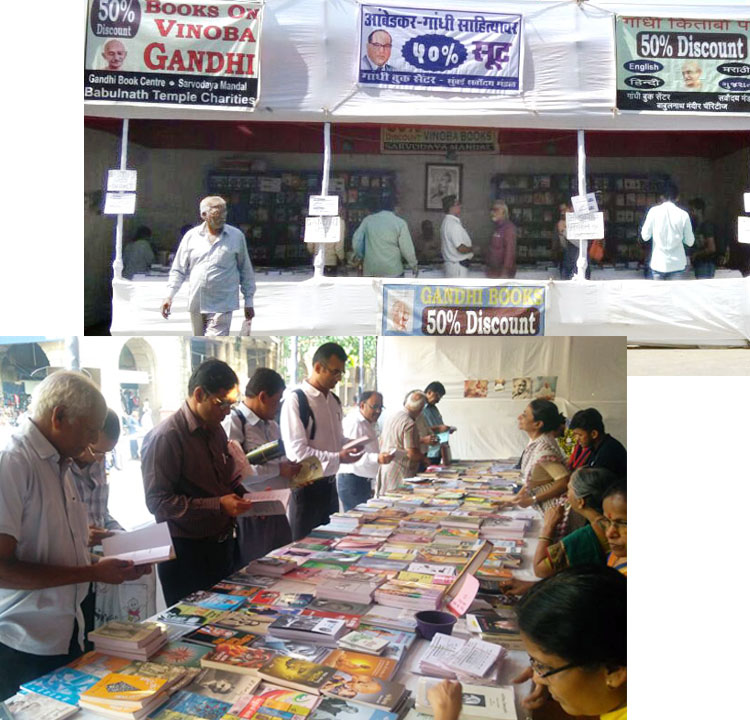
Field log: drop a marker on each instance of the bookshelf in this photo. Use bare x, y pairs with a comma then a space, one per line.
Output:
534, 200
270, 207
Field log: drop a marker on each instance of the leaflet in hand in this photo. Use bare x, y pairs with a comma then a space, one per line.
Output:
310, 469
267, 502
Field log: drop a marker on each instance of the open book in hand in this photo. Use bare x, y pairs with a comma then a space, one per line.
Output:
310, 469
267, 502
357, 444
148, 545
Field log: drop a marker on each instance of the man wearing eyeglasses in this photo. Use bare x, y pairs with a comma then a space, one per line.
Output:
356, 486
311, 425
379, 46
213, 258
190, 482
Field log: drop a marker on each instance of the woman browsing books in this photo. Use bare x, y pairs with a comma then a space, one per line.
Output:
574, 628
585, 545
543, 468
614, 521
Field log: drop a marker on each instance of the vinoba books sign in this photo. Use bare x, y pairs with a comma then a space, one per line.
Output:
500, 310
199, 54
683, 65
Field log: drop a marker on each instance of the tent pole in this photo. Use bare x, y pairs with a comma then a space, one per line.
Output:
320, 256
293, 360
583, 250
117, 264
361, 387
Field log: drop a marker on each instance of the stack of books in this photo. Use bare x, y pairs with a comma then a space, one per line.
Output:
237, 658
289, 672
271, 566
409, 596
494, 627
272, 701
31, 706
313, 630
136, 641
331, 708
119, 695
364, 642
348, 590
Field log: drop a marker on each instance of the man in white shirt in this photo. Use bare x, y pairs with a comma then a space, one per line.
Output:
213, 258
251, 423
311, 425
455, 243
671, 230
355, 487
45, 566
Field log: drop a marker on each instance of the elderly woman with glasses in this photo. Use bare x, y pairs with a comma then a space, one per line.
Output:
574, 628
587, 544
614, 522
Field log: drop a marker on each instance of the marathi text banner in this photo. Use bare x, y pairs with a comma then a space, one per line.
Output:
166, 53
681, 65
448, 50
500, 310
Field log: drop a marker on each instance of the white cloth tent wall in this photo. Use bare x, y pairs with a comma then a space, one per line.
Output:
591, 372
309, 59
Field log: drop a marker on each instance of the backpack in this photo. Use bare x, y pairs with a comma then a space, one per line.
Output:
243, 420
306, 413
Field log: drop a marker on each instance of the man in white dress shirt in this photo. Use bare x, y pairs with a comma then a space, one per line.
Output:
252, 424
356, 486
213, 258
455, 243
45, 566
311, 418
671, 230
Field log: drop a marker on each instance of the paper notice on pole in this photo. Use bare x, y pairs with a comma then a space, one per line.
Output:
121, 180
465, 596
322, 229
743, 229
584, 227
323, 205
584, 204
119, 203
747, 202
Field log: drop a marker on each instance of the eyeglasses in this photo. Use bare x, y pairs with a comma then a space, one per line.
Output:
337, 372
620, 525
544, 671
223, 404
376, 407
380, 46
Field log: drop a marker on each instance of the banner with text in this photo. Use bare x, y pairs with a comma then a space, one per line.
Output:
147, 51
437, 141
503, 310
679, 65
449, 50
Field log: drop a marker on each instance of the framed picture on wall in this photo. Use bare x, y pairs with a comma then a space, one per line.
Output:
441, 180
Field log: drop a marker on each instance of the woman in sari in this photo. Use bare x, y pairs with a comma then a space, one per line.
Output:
543, 470
587, 545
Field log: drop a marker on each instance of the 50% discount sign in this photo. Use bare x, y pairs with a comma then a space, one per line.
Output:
434, 52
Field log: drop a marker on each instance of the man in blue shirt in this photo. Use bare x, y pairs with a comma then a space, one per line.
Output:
213, 258
434, 393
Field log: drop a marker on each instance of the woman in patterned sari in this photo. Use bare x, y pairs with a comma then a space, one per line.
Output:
543, 470
587, 545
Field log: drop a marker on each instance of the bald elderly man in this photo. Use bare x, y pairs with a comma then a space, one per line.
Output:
114, 54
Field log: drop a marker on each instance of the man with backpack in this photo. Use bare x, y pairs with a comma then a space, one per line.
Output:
311, 418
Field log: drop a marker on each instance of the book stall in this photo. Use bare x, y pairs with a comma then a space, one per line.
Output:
337, 622
516, 69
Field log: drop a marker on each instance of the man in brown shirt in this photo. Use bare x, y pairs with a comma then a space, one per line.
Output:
190, 482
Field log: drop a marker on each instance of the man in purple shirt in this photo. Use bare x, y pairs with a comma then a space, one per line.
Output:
190, 482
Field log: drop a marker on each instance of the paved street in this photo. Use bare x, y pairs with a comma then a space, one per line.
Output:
691, 361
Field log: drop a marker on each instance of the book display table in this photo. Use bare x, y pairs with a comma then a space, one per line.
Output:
370, 570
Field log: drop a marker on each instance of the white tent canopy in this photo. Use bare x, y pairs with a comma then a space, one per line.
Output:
309, 60
590, 372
